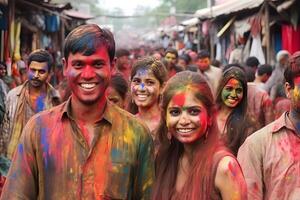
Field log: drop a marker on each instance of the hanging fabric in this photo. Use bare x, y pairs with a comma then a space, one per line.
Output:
256, 49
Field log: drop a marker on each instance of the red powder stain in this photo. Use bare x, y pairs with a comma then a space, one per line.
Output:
232, 169
179, 99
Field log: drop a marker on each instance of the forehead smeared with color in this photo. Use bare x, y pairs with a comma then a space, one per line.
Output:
87, 39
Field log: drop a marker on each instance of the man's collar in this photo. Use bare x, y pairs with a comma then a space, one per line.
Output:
107, 115
283, 121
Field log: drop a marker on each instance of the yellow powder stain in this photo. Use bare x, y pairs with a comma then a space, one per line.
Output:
297, 93
147, 184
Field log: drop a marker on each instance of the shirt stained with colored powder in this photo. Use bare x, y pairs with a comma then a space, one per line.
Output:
270, 160
53, 160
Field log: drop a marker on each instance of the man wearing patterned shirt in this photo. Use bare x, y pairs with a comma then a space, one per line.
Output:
86, 148
270, 157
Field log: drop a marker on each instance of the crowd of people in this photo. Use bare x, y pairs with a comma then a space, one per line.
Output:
161, 126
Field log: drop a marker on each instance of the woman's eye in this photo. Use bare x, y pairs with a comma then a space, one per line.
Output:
150, 82
174, 112
239, 90
136, 81
194, 112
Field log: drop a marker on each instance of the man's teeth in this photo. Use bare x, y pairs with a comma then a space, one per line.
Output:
184, 130
88, 85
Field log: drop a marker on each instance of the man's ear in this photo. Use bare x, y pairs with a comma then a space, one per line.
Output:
113, 64
288, 89
65, 66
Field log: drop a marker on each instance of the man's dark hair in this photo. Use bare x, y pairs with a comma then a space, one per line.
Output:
86, 39
122, 52
264, 69
203, 54
293, 70
41, 55
172, 51
252, 61
186, 58
119, 83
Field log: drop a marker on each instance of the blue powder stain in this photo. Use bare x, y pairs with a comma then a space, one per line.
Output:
115, 153
142, 85
40, 104
20, 149
45, 145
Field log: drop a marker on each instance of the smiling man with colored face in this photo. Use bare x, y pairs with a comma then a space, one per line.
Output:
86, 148
24, 101
270, 157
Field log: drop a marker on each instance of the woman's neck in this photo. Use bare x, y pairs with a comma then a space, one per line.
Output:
224, 112
149, 113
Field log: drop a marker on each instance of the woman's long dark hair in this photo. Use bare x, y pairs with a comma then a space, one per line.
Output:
200, 182
236, 124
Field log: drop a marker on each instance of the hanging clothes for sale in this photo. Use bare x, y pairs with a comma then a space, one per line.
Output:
256, 49
290, 38
52, 23
3, 17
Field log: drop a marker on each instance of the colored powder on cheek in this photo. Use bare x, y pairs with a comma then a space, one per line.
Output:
30, 75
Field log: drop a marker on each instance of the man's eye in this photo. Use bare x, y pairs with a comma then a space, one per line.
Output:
174, 112
98, 64
78, 64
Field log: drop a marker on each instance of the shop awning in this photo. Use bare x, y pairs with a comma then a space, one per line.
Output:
78, 15
227, 8
4, 2
190, 22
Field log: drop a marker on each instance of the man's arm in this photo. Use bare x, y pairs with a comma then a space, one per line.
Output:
250, 159
145, 168
21, 182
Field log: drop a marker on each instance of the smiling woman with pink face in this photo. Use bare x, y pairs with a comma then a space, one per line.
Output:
192, 162
148, 76
232, 104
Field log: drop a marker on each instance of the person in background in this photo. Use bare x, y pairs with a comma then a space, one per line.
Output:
148, 77
33, 96
3, 74
262, 75
252, 64
275, 84
212, 73
123, 63
260, 110
171, 58
85, 148
192, 163
117, 90
231, 103
184, 60
270, 157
